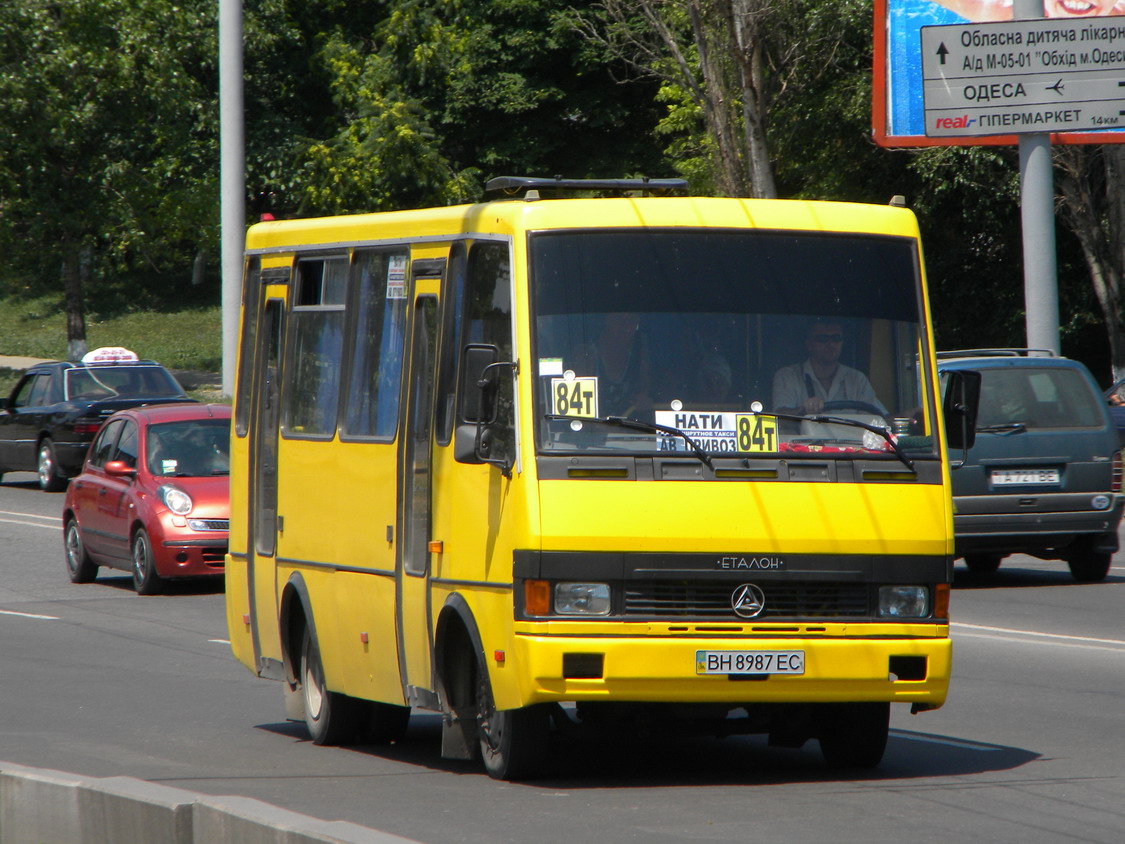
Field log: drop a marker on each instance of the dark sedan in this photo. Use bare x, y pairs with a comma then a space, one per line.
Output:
56, 408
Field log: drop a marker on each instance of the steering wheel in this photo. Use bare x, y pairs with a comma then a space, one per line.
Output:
852, 404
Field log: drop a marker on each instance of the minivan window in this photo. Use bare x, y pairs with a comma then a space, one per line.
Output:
1037, 398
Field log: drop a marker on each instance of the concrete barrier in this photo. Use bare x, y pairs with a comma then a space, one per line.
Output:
39, 806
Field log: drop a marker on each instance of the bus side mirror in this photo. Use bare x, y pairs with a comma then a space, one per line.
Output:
478, 383
959, 407
479, 406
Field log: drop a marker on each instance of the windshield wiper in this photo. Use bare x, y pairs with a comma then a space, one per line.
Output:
885, 433
1004, 428
638, 425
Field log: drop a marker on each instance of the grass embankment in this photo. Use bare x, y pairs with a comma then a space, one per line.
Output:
188, 340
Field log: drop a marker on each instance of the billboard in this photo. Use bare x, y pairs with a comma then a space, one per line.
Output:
898, 113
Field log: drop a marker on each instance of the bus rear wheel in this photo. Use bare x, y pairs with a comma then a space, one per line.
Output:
854, 735
513, 742
332, 718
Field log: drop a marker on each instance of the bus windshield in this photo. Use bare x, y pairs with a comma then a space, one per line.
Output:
750, 342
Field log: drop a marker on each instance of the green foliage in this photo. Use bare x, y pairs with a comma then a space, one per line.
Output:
109, 138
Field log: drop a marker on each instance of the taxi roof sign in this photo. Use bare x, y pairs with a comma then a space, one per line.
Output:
110, 354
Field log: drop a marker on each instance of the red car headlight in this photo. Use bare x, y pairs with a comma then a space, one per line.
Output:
175, 499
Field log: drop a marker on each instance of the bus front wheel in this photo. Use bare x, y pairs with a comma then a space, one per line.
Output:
332, 718
513, 742
854, 735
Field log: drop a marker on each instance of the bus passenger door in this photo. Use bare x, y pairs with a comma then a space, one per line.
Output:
415, 481
262, 522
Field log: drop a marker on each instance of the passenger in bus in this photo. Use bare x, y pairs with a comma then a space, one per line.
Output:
804, 388
713, 381
621, 362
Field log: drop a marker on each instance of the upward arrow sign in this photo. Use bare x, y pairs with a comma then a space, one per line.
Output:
942, 51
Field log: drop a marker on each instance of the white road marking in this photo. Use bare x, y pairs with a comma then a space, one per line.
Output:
220, 641
30, 615
1061, 637
52, 522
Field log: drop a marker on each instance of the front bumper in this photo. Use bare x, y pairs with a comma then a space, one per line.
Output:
1034, 523
839, 665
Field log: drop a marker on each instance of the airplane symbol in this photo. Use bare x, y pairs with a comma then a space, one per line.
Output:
1057, 87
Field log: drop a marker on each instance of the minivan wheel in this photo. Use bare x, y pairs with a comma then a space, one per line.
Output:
983, 563
1090, 566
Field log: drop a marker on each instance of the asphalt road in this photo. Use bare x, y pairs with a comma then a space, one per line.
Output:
1030, 747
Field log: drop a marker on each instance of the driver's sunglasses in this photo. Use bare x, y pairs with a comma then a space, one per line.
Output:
828, 338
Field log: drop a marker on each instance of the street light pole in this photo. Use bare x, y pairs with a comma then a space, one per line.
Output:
232, 179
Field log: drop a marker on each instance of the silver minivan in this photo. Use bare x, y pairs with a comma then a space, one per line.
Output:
1043, 473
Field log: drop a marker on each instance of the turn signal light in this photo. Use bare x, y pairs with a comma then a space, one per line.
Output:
1117, 470
537, 597
941, 600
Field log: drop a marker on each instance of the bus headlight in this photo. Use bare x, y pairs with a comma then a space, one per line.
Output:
904, 601
582, 598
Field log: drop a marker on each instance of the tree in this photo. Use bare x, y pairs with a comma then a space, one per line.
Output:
1091, 184
733, 61
437, 96
104, 162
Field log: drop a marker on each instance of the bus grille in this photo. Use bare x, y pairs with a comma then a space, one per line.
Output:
713, 600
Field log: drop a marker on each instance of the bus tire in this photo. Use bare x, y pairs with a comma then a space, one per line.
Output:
854, 735
513, 742
332, 718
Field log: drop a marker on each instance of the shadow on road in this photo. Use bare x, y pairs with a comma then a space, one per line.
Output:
172, 588
623, 761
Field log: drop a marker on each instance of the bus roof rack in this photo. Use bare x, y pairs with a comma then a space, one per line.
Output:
985, 353
524, 186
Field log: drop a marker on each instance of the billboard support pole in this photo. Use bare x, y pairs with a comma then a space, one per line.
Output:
1037, 210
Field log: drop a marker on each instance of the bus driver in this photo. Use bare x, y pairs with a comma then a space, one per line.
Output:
803, 388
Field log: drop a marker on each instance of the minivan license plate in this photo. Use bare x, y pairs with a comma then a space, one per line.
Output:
749, 662
1002, 477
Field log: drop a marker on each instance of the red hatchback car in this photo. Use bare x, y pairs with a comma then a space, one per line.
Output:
153, 496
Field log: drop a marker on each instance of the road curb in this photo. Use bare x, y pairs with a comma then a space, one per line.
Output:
40, 805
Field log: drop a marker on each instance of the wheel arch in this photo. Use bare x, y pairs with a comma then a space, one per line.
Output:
294, 615
458, 654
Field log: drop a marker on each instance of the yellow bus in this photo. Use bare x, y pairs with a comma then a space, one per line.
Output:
556, 461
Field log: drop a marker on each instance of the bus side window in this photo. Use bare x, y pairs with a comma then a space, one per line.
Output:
372, 397
488, 319
453, 312
315, 348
